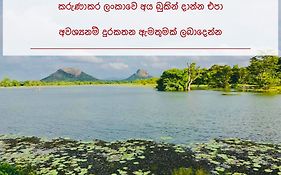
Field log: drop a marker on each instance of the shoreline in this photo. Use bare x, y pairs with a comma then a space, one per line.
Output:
225, 92
92, 85
274, 90
140, 157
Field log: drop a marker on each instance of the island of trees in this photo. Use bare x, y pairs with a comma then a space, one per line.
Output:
263, 74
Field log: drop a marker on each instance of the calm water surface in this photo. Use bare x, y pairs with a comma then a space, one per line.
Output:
118, 113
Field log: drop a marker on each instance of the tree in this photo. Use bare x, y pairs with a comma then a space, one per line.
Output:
204, 77
192, 72
279, 69
220, 76
171, 80
264, 71
178, 79
235, 75
6, 82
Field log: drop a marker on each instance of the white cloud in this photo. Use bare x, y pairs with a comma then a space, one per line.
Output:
88, 59
115, 66
162, 65
156, 62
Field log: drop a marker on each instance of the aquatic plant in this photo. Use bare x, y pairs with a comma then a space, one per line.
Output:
66, 156
189, 171
231, 156
8, 169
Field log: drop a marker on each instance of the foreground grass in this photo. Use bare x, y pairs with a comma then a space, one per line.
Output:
139, 157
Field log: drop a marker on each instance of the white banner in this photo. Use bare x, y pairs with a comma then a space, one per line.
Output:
147, 27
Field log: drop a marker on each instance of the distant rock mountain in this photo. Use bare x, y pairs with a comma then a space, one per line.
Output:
69, 74
139, 75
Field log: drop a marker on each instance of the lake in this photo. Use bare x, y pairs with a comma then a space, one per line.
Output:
118, 113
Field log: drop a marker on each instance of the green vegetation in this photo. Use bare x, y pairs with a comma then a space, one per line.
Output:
66, 156
263, 74
235, 156
6, 82
189, 171
179, 80
7, 169
137, 157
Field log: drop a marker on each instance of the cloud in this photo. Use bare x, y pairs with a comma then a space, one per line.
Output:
87, 59
161, 65
115, 66
155, 62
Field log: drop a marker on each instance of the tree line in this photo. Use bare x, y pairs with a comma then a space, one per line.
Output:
263, 72
7, 82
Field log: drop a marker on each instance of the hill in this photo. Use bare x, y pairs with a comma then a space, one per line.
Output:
139, 75
69, 74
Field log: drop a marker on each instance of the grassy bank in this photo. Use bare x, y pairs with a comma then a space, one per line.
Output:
90, 85
251, 88
136, 83
241, 88
14, 83
140, 157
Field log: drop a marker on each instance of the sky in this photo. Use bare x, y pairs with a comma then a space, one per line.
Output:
36, 68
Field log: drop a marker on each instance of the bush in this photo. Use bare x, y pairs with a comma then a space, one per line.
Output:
7, 169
